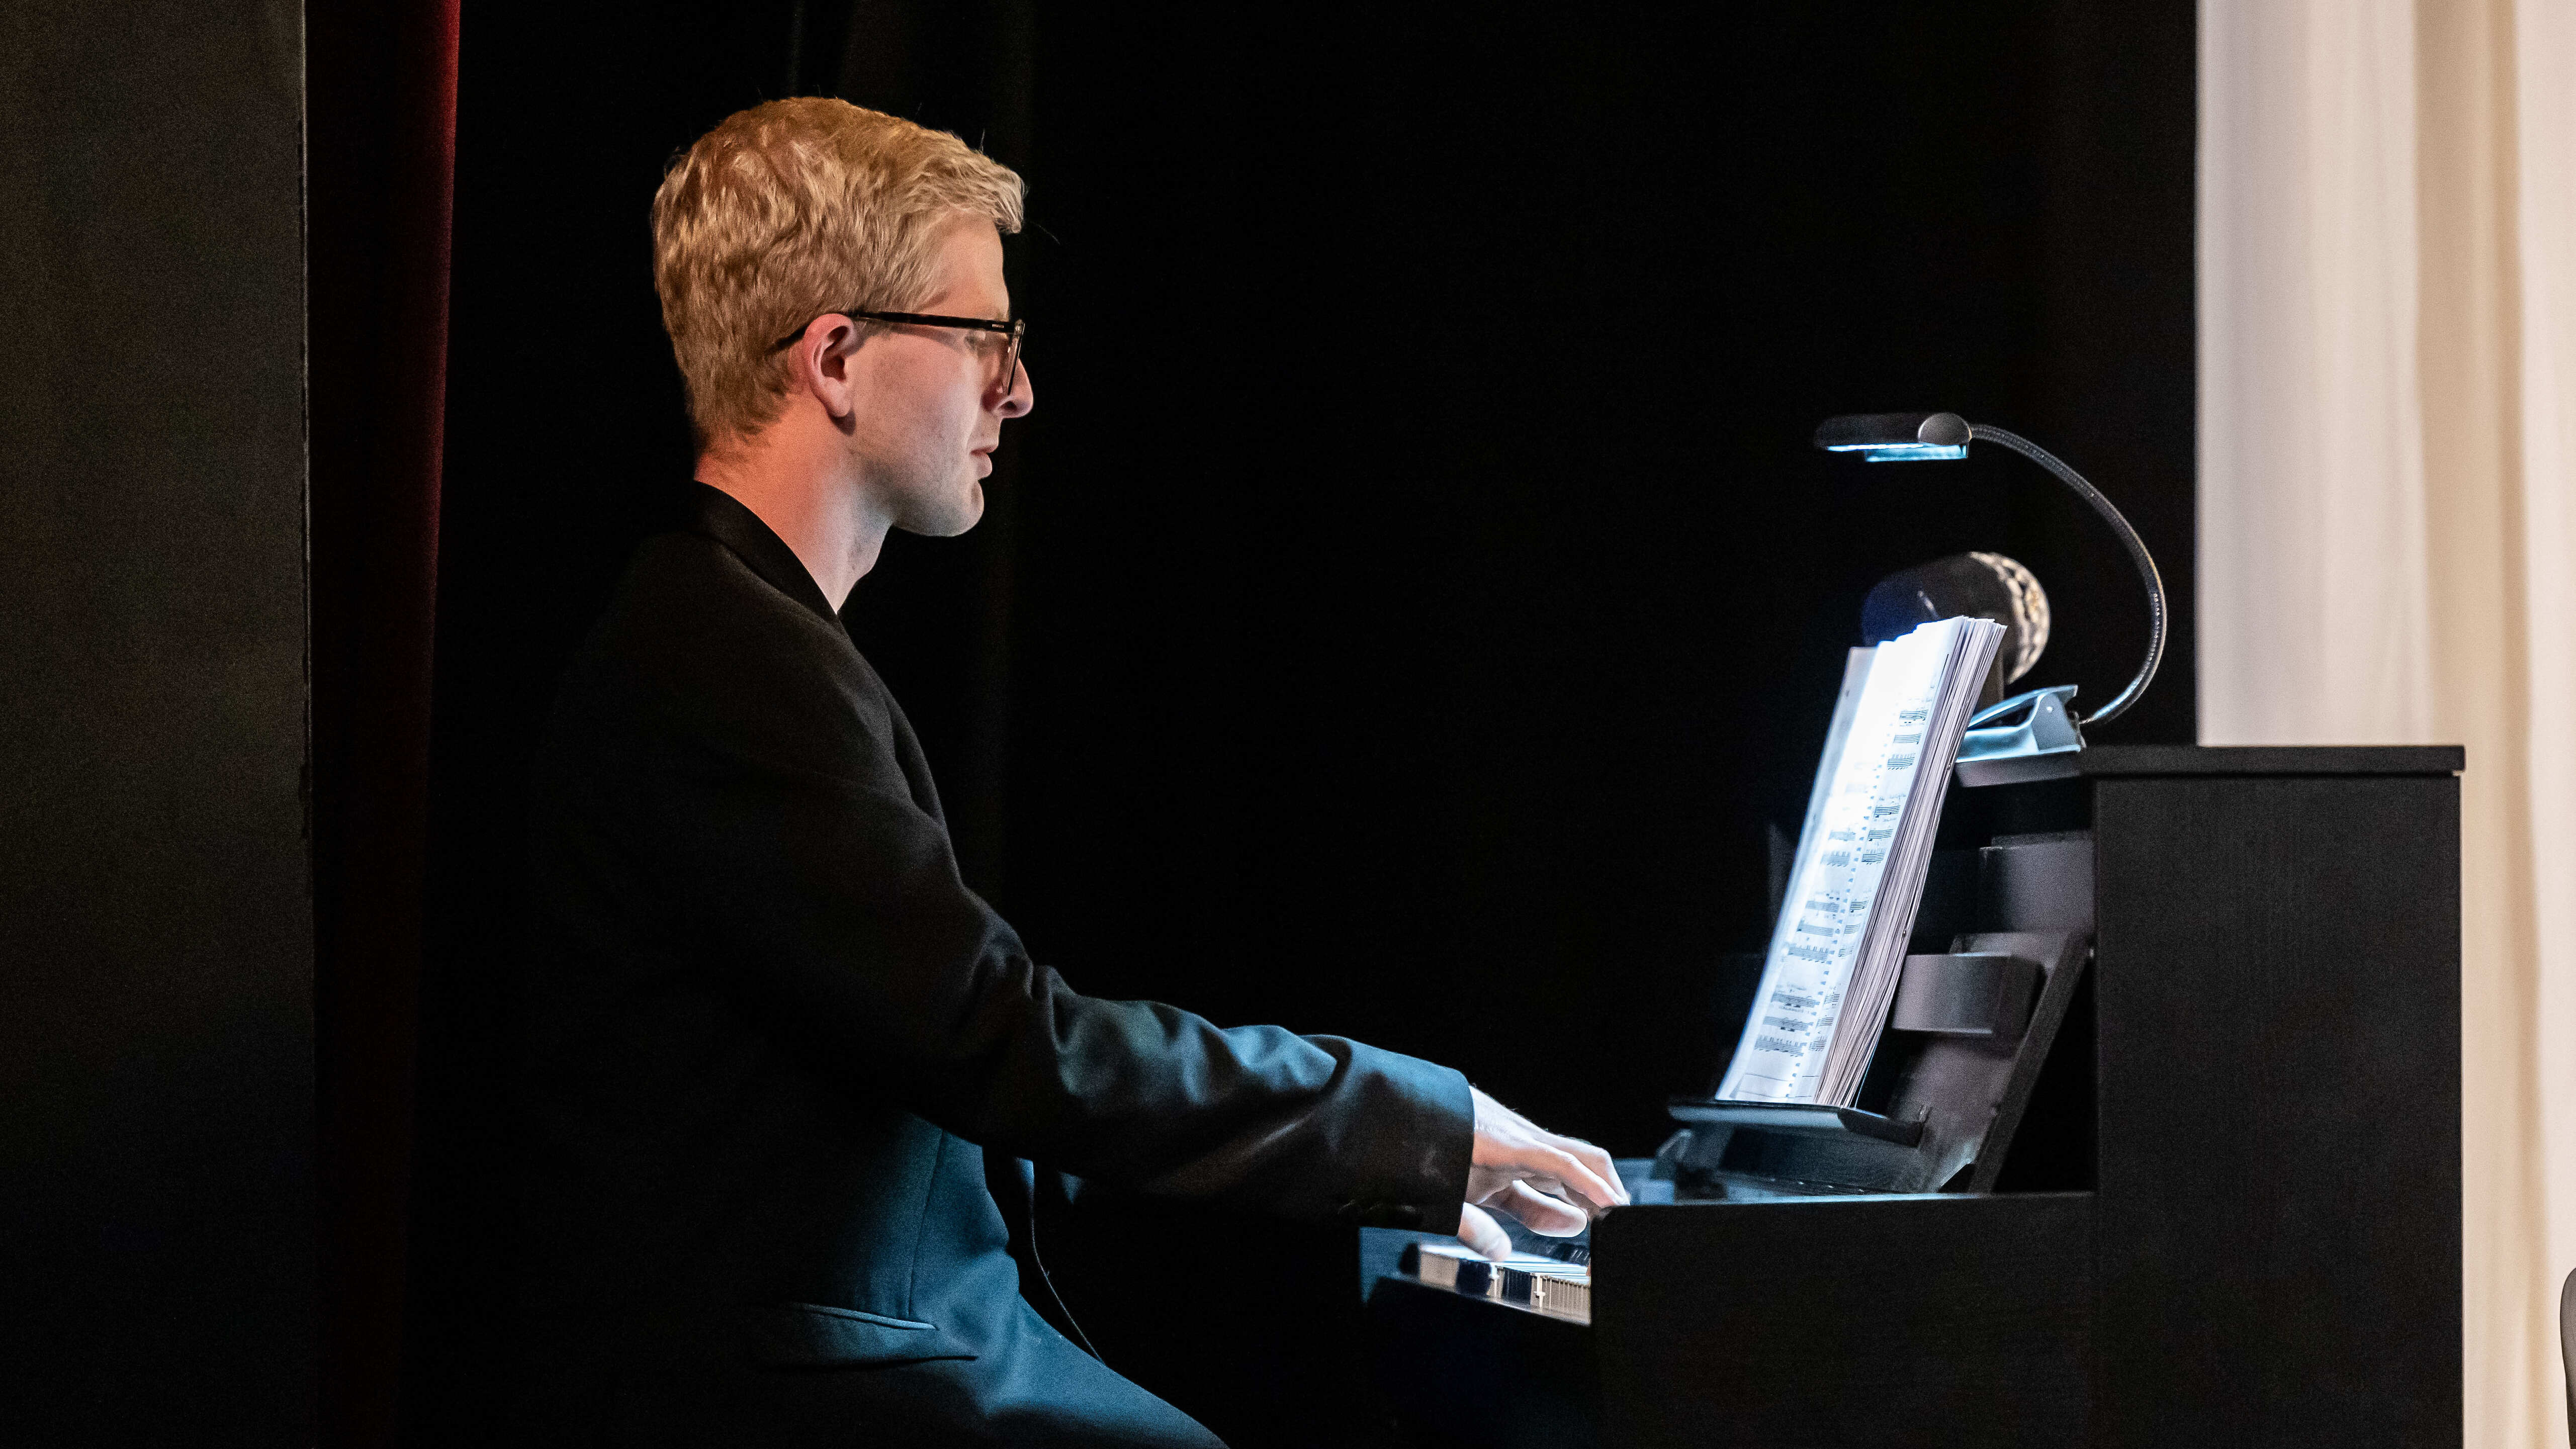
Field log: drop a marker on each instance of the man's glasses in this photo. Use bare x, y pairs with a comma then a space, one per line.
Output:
1015, 329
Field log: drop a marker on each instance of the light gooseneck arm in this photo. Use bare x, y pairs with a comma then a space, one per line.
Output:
2128, 536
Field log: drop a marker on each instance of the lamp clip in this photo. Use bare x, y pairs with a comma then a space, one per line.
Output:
2037, 741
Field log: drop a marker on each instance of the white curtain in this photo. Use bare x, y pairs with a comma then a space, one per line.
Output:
2388, 524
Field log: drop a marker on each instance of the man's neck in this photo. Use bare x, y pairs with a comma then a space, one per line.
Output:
794, 476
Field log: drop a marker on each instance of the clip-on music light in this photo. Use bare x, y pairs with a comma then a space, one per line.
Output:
2034, 735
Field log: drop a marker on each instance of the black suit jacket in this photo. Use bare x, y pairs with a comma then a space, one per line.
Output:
773, 1037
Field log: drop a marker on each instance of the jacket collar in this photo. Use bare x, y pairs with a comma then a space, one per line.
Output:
720, 516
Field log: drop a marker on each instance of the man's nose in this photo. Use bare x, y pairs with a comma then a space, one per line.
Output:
1023, 394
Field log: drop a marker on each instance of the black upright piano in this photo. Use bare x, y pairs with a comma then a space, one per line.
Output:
2229, 1212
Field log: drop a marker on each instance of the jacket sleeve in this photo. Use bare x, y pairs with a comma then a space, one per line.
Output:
785, 838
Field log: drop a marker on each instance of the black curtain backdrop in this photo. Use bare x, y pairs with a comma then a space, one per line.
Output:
157, 1172
1414, 602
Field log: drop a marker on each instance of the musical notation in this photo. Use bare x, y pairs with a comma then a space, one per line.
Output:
1859, 869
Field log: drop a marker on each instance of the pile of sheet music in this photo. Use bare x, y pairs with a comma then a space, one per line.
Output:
1839, 945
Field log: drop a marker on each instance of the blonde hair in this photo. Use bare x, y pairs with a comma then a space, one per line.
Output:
790, 210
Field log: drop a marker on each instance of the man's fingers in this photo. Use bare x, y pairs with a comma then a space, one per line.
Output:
1509, 1146
1483, 1234
1597, 1187
1604, 1170
1540, 1213
1594, 1171
1550, 1169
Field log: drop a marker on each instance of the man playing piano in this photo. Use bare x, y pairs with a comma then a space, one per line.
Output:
786, 1069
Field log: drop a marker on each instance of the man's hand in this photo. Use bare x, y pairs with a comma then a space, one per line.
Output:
1554, 1185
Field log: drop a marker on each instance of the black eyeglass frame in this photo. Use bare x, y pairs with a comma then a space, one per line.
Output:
1016, 329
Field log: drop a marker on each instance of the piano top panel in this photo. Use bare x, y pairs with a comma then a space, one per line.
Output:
2142, 760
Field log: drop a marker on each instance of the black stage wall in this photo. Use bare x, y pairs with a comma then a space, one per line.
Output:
1414, 601
156, 963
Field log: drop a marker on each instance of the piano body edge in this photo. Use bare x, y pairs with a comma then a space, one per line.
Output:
1772, 1322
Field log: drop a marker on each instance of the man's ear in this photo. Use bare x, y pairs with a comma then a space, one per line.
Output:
821, 364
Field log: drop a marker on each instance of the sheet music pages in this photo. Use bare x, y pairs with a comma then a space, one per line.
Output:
1840, 941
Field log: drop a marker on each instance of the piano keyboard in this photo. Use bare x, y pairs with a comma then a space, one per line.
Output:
1524, 1280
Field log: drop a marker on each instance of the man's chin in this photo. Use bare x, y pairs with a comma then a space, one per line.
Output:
949, 520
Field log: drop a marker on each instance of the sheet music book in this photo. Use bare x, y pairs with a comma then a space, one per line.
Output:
1840, 940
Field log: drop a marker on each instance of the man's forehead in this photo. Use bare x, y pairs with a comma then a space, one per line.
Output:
971, 270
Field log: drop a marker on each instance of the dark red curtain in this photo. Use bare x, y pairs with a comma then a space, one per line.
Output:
380, 119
